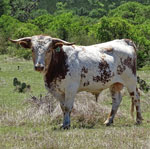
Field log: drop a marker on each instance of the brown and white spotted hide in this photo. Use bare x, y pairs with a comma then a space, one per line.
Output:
69, 69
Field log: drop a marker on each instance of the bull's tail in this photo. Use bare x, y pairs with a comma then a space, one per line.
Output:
131, 43
132, 109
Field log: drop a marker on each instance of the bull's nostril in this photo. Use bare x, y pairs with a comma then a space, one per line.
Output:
35, 68
39, 68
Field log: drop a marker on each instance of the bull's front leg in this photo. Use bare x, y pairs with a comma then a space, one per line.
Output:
67, 105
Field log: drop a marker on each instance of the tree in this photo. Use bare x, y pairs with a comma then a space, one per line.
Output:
111, 28
134, 12
22, 9
42, 21
2, 7
8, 25
141, 36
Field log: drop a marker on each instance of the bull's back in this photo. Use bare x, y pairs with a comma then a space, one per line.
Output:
99, 65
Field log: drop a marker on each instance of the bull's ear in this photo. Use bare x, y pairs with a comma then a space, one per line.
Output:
24, 42
58, 42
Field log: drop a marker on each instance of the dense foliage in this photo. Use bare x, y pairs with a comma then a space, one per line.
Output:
82, 21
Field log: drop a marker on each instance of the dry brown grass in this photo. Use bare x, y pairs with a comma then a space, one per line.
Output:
86, 111
34, 125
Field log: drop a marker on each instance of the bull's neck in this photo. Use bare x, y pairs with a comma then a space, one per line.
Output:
57, 68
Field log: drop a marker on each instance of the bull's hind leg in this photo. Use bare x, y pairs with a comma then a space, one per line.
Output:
135, 95
116, 100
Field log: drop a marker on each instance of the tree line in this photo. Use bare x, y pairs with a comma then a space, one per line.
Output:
84, 22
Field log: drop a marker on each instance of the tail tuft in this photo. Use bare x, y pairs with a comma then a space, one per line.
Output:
132, 109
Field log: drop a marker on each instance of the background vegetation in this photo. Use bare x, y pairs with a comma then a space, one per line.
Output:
82, 21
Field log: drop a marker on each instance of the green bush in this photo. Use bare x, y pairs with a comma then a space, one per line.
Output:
134, 12
12, 50
3, 44
111, 28
8, 25
26, 29
12, 28
42, 21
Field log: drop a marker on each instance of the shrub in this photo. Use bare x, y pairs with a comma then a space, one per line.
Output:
26, 29
111, 28
19, 52
8, 25
3, 45
42, 21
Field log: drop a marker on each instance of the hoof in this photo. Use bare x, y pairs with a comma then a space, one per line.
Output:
108, 123
138, 122
65, 127
141, 118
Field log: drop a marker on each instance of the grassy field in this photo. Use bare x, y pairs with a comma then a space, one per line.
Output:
27, 123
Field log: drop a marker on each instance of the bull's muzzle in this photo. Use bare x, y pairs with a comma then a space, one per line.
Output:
39, 67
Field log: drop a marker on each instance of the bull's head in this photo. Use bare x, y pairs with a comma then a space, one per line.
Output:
42, 47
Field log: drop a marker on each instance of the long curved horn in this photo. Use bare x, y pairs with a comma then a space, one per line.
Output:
19, 40
57, 40
24, 42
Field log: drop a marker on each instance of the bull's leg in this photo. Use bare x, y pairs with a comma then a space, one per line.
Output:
116, 100
135, 95
67, 105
